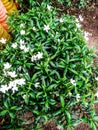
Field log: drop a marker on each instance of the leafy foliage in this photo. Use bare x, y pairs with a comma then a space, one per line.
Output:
75, 3
50, 68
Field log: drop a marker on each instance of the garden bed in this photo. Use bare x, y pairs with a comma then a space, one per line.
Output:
89, 24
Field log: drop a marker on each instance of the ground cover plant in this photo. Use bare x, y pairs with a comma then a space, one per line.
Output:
46, 69
27, 4
75, 3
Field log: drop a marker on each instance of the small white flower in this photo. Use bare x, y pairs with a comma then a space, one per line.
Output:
58, 40
12, 74
78, 25
96, 94
7, 66
21, 25
40, 55
96, 78
4, 88
23, 96
73, 82
36, 84
86, 35
14, 45
22, 47
81, 18
77, 20
33, 58
20, 68
94, 17
70, 94
46, 28
12, 84
49, 7
77, 96
22, 32
26, 49
22, 41
34, 28
15, 88
3, 40
21, 81
61, 20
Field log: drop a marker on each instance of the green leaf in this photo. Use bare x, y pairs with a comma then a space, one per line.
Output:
57, 112
18, 63
36, 112
62, 101
26, 99
92, 124
75, 72
4, 112
13, 108
95, 118
12, 115
6, 104
69, 116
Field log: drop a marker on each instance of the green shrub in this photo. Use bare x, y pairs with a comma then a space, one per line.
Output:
75, 3
46, 68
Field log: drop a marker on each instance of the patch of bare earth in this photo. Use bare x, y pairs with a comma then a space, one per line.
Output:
90, 24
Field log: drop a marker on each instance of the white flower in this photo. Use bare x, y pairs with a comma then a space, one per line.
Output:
22, 32
14, 45
23, 96
37, 56
73, 82
81, 18
15, 88
96, 94
77, 20
21, 81
46, 28
7, 66
4, 88
49, 7
12, 84
77, 96
96, 78
33, 58
22, 41
12, 74
86, 35
40, 55
22, 47
26, 49
34, 28
58, 40
21, 25
3, 40
61, 20
20, 68
36, 84
70, 94
78, 25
